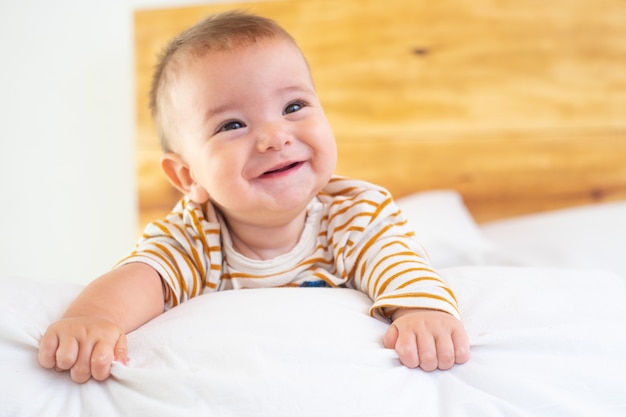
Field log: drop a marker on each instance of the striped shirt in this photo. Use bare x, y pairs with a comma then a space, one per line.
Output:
355, 236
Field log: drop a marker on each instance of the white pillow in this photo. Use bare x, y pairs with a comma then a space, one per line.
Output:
308, 352
592, 236
448, 232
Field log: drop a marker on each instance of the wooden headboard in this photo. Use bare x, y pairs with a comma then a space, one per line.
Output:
520, 106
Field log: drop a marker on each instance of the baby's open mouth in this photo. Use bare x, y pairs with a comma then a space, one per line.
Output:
282, 169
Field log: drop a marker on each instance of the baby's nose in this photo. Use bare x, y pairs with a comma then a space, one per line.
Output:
273, 137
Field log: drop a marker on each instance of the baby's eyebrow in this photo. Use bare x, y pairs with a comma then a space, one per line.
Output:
212, 111
298, 88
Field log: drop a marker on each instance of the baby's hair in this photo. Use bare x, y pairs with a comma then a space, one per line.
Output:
219, 32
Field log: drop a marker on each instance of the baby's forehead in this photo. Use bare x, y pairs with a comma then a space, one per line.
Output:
236, 45
192, 55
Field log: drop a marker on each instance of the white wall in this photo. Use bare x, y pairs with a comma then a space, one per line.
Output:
67, 186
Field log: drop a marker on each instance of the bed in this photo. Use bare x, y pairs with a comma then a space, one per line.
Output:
505, 145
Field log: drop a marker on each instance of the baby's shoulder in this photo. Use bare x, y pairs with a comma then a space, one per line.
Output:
351, 190
187, 217
349, 197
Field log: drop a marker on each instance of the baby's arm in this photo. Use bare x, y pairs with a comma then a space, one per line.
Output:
91, 334
429, 339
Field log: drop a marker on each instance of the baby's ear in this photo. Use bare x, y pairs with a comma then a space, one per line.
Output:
179, 174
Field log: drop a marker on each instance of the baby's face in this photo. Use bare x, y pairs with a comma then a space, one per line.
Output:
252, 131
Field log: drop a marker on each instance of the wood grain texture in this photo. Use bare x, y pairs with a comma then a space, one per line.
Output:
520, 106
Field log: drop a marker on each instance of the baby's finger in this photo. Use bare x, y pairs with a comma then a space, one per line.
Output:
101, 359
445, 351
47, 350
66, 354
407, 348
427, 352
461, 346
81, 371
120, 352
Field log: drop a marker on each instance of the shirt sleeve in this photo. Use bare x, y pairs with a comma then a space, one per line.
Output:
179, 248
383, 259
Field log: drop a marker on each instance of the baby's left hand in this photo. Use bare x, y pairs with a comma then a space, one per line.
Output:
429, 339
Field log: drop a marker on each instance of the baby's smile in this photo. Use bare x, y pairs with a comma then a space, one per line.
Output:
283, 168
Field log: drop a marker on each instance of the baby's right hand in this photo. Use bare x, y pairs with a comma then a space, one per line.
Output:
86, 346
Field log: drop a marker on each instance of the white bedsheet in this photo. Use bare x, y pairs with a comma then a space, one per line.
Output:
545, 342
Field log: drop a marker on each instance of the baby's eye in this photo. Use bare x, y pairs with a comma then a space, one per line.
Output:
294, 107
231, 125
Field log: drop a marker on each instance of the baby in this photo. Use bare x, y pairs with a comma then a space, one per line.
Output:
246, 140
